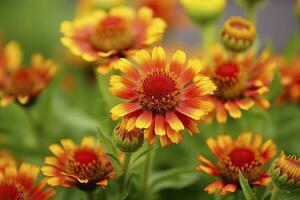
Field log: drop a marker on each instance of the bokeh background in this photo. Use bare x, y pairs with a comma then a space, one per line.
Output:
72, 105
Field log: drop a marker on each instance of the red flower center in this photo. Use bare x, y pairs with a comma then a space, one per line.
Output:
241, 157
113, 33
228, 69
22, 82
85, 157
159, 92
11, 192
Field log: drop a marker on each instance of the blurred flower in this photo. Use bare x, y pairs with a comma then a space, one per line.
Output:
290, 79
107, 36
165, 10
20, 184
241, 81
23, 84
285, 172
6, 159
85, 165
204, 11
128, 141
238, 34
86, 6
164, 96
246, 154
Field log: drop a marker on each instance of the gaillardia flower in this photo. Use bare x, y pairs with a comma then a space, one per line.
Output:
85, 165
285, 172
107, 36
128, 141
238, 34
23, 84
19, 184
164, 97
246, 154
241, 82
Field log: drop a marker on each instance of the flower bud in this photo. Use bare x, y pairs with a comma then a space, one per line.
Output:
238, 34
128, 140
204, 11
285, 172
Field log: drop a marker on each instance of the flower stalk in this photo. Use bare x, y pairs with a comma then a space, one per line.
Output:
275, 193
124, 178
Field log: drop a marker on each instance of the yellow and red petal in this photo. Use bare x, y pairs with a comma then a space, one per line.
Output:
177, 62
233, 109
268, 150
160, 125
159, 58
128, 69
144, 120
245, 104
173, 121
144, 60
123, 109
191, 112
228, 188
213, 187
193, 68
208, 170
205, 161
190, 124
174, 136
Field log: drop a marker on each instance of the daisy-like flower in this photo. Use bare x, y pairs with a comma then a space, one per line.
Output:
164, 97
23, 84
21, 184
242, 80
107, 36
290, 79
85, 165
246, 154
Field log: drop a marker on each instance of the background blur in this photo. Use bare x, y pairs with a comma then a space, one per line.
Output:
70, 107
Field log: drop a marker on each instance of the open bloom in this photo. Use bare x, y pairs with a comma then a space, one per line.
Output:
107, 36
23, 84
164, 97
85, 165
246, 154
20, 184
290, 79
241, 81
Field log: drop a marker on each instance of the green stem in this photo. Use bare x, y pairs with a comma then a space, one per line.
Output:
89, 195
146, 174
251, 14
208, 31
125, 172
275, 193
32, 126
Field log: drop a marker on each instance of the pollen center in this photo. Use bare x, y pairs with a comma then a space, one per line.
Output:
85, 157
230, 80
159, 92
21, 83
112, 33
11, 192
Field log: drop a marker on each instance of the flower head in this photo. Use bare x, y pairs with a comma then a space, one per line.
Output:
241, 80
290, 79
204, 11
107, 36
20, 184
23, 84
246, 154
164, 97
238, 34
127, 141
285, 172
85, 165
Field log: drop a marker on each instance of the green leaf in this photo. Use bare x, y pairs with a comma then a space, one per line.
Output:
177, 178
275, 86
293, 46
248, 193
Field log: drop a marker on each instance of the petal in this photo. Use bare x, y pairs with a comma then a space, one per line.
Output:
245, 104
159, 57
128, 69
164, 141
174, 136
206, 162
268, 150
188, 123
213, 187
123, 109
193, 68
177, 62
87, 142
191, 112
174, 121
228, 188
208, 170
233, 109
144, 120
221, 112
159, 127
143, 59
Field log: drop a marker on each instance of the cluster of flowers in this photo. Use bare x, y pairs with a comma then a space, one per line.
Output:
163, 97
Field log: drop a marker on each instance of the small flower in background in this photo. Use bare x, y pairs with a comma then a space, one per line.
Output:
23, 84
6, 159
164, 96
290, 79
238, 34
128, 141
21, 184
107, 36
246, 154
241, 81
285, 172
204, 11
85, 165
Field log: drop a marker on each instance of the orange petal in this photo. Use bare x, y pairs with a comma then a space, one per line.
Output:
208, 170
228, 188
143, 59
174, 136
245, 104
177, 62
193, 68
159, 126
128, 69
159, 57
233, 109
174, 121
124, 109
144, 120
213, 187
205, 161
193, 113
